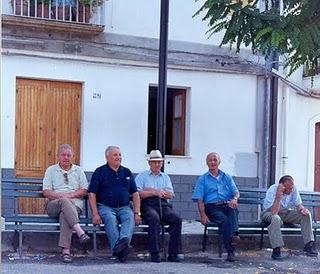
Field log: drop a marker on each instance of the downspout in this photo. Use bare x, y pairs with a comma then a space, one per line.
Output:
273, 124
266, 133
285, 108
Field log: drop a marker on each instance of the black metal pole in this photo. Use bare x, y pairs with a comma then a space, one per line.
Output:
273, 121
274, 110
162, 80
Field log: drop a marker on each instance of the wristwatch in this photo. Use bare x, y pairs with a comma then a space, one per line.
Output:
138, 213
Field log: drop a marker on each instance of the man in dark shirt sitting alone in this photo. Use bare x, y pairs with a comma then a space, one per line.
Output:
109, 197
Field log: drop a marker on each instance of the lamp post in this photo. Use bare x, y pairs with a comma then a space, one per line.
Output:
162, 79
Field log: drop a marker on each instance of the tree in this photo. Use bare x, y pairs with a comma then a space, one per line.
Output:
294, 32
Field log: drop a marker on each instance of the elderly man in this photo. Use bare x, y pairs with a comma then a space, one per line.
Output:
283, 205
155, 189
217, 197
65, 185
109, 196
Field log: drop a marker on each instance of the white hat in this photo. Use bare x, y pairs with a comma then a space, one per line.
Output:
155, 155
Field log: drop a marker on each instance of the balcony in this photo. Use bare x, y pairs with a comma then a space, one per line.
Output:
77, 15
308, 71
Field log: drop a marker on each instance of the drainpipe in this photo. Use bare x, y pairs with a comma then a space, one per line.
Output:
266, 133
273, 122
285, 108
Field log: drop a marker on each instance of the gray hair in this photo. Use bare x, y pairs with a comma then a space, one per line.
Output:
64, 146
109, 148
213, 154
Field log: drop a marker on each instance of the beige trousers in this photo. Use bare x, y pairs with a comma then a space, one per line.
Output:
287, 216
68, 214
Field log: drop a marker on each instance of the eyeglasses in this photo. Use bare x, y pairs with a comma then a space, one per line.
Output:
65, 175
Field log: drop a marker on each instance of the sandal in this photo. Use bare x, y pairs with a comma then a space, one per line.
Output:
84, 239
66, 258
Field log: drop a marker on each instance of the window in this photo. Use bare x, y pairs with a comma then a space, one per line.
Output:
175, 120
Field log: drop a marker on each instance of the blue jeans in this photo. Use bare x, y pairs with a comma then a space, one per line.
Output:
111, 218
227, 220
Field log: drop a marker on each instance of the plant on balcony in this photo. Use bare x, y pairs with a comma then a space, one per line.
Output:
21, 7
87, 8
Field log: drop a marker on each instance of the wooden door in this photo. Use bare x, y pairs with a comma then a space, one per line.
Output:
317, 163
48, 113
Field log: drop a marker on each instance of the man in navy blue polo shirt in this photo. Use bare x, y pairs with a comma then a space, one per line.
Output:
109, 196
217, 197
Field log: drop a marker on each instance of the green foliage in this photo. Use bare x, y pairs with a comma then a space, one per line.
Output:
295, 32
94, 3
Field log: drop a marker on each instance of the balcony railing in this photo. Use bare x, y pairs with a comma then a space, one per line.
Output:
83, 11
308, 70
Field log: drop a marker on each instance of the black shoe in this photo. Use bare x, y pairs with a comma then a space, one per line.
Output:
155, 257
120, 246
276, 254
235, 240
309, 250
174, 258
123, 255
231, 257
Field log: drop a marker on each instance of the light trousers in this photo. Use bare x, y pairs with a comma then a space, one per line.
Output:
68, 214
287, 216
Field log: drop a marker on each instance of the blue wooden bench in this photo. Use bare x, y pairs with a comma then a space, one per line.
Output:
253, 198
16, 188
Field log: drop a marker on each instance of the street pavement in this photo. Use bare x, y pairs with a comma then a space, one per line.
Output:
250, 261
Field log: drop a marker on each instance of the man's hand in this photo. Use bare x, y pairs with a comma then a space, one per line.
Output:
304, 211
137, 219
204, 219
233, 203
280, 191
96, 219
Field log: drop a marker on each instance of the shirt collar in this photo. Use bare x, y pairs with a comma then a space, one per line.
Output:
150, 173
110, 169
58, 168
220, 174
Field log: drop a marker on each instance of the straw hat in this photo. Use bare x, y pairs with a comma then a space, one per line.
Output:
155, 155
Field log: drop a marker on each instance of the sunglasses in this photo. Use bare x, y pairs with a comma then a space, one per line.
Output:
65, 175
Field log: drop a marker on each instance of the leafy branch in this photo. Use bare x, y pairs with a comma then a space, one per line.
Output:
294, 32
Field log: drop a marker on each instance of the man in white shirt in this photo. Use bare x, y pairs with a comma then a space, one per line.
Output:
283, 205
155, 190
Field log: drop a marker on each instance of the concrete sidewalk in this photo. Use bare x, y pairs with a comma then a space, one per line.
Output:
41, 255
254, 261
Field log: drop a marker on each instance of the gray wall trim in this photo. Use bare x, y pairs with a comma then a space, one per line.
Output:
131, 48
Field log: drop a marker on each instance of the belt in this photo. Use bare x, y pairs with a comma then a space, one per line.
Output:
218, 203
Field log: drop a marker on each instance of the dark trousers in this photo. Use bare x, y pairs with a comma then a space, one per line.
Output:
227, 220
151, 215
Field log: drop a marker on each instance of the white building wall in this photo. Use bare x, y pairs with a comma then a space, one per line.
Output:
222, 109
142, 18
302, 115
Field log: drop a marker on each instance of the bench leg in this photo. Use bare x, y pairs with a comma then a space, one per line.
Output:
94, 244
220, 241
20, 244
261, 237
204, 239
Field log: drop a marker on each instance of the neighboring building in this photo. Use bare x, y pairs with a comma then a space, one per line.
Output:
91, 83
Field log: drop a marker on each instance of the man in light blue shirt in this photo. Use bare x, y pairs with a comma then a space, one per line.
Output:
283, 205
155, 189
217, 196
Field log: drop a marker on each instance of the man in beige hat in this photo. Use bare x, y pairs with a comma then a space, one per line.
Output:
155, 189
